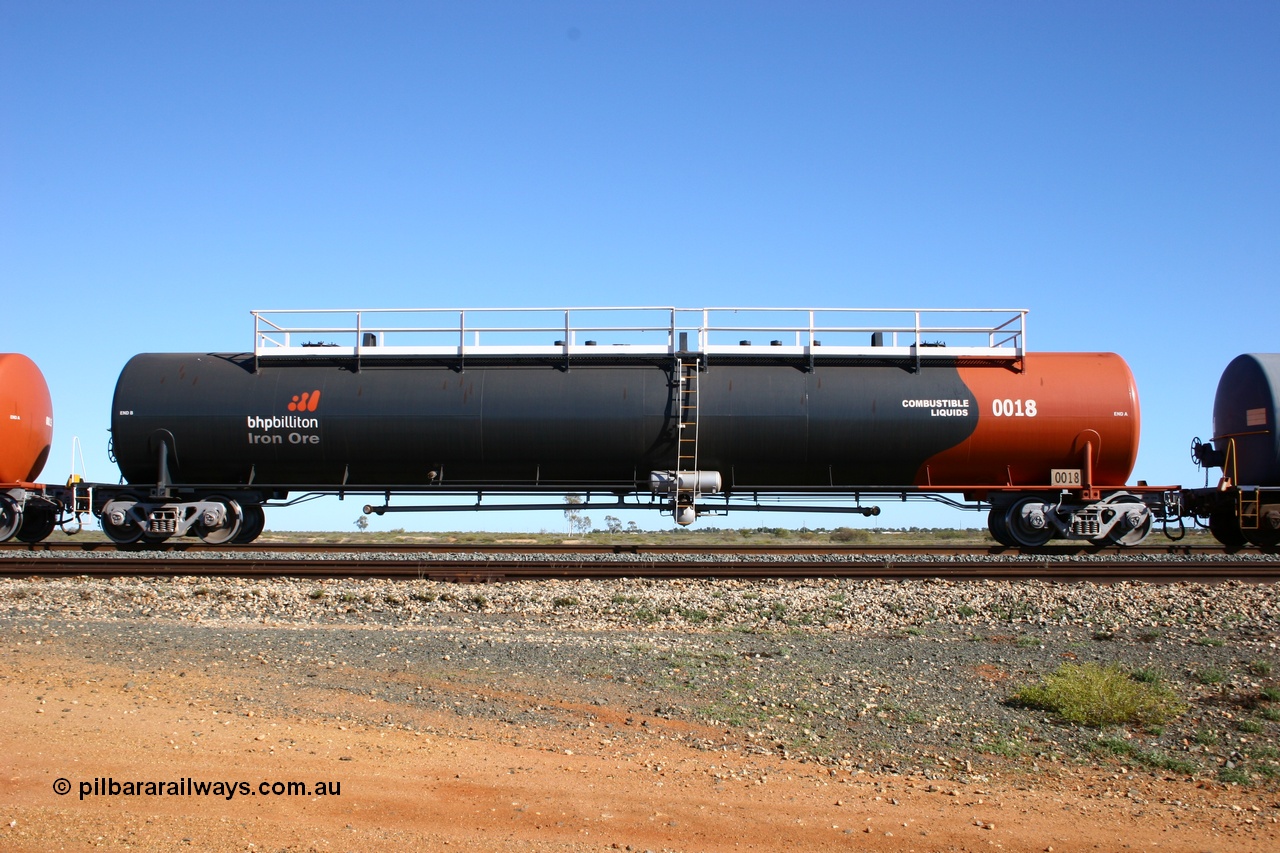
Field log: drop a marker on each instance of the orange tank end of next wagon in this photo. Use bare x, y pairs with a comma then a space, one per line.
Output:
26, 419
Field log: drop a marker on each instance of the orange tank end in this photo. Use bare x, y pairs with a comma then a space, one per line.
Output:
26, 419
1060, 410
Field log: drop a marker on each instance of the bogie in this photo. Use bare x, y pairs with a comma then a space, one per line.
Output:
1033, 520
217, 519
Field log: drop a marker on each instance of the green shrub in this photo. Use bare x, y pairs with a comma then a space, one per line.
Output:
1211, 675
1148, 676
1114, 746
1169, 762
1093, 695
1233, 776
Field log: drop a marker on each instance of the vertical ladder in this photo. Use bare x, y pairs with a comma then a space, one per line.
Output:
1249, 509
687, 442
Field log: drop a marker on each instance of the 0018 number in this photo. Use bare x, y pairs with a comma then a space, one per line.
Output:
1013, 408
1066, 477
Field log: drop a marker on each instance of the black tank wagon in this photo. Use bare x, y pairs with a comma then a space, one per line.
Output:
1244, 507
692, 411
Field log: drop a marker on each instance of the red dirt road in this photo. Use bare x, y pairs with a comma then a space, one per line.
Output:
490, 786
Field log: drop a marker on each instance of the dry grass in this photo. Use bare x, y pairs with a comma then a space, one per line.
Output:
1092, 695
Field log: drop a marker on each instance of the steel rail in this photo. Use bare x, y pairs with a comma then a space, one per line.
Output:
895, 567
196, 546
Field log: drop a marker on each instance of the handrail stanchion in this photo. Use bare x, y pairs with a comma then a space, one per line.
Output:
462, 340
359, 323
917, 316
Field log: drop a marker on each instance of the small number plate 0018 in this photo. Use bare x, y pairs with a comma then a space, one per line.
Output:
1066, 477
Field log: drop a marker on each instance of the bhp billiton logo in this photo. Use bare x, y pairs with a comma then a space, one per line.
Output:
299, 426
305, 402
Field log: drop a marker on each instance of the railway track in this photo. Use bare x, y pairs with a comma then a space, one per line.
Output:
195, 546
496, 563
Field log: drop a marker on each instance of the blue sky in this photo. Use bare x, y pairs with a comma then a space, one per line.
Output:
165, 167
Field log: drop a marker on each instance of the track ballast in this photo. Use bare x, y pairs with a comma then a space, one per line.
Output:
495, 563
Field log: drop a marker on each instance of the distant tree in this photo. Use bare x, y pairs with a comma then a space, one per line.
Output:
572, 511
613, 524
632, 527
363, 523
851, 534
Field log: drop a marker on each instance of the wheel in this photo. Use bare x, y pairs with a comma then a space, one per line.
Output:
1027, 523
255, 519
1226, 529
1134, 526
1267, 536
228, 528
37, 523
118, 520
999, 530
1266, 539
10, 517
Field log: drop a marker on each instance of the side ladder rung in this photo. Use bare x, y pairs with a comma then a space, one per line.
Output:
687, 436
1249, 512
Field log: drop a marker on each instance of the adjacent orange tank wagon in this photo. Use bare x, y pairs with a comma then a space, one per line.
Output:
27, 510
26, 420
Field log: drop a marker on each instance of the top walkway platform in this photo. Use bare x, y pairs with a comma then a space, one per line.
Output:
642, 332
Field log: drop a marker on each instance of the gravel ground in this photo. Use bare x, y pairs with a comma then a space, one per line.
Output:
902, 677
1215, 556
